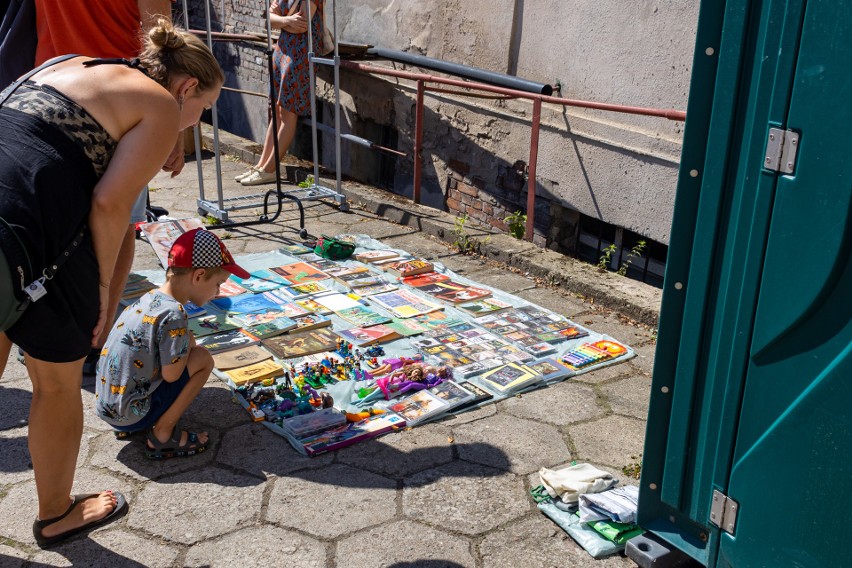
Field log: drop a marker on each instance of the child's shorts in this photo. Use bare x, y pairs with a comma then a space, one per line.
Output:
161, 400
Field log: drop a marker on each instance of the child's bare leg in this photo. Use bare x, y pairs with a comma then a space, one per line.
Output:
199, 363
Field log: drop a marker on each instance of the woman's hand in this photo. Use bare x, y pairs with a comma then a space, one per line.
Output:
295, 24
103, 289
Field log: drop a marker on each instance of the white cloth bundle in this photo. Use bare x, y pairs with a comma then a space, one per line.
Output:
568, 483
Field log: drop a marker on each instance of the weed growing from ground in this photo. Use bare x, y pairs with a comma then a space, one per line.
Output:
517, 223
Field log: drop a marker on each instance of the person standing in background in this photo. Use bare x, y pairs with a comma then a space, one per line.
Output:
291, 79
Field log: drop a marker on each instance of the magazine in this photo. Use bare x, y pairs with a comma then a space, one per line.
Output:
404, 304
299, 273
162, 234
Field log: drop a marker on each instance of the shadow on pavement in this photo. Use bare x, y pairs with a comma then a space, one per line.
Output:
16, 407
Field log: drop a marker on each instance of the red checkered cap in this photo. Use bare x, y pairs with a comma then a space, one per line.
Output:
200, 248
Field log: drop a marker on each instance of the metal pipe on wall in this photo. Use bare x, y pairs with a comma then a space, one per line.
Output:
481, 75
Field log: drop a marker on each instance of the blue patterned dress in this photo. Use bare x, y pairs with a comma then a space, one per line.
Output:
290, 61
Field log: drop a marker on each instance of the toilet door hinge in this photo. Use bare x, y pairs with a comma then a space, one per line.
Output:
781, 149
723, 512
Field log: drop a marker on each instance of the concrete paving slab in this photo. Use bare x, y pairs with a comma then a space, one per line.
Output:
500, 278
465, 498
332, 501
401, 454
256, 450
468, 416
537, 541
111, 548
526, 444
259, 546
127, 457
611, 325
197, 505
215, 408
556, 301
644, 360
404, 544
610, 440
629, 396
605, 374
561, 403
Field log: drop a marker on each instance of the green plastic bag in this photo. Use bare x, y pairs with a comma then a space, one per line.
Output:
334, 249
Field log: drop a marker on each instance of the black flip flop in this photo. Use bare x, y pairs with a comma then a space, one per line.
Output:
48, 541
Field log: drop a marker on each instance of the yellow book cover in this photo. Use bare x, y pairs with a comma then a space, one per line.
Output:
255, 373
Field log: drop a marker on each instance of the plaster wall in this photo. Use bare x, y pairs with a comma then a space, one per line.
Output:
619, 168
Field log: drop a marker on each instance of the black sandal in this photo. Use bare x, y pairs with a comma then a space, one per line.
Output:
172, 448
48, 541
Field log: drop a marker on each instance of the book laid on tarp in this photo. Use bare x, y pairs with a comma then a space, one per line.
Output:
255, 318
371, 335
483, 307
371, 256
296, 249
346, 270
411, 267
245, 303
424, 279
359, 280
271, 328
362, 316
136, 286
373, 289
301, 343
509, 378
454, 292
257, 283
404, 304
299, 273
351, 433
193, 311
452, 393
336, 301
419, 406
241, 357
310, 321
406, 327
230, 288
436, 320
255, 373
214, 322
310, 304
162, 234
307, 289
226, 340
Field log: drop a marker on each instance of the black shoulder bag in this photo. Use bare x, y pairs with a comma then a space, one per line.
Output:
19, 285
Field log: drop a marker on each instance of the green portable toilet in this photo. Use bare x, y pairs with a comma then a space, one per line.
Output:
748, 450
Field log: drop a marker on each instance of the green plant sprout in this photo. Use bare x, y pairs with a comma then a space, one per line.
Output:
517, 223
606, 257
463, 241
635, 253
308, 182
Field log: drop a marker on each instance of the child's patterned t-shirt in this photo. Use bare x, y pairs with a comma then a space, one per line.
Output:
147, 334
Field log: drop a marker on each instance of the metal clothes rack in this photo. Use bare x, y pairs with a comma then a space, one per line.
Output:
223, 206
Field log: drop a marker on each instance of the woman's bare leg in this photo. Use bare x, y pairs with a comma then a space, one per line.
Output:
286, 132
55, 429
